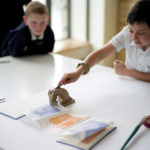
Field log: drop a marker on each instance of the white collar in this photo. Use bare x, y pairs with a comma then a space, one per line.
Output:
33, 37
132, 43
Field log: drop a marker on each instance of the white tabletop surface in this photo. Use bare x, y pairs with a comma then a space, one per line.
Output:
101, 94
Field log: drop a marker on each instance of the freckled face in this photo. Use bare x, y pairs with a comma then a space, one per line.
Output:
37, 23
140, 34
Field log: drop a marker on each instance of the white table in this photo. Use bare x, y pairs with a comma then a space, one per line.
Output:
101, 93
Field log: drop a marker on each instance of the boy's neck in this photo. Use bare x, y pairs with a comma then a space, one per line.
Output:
37, 37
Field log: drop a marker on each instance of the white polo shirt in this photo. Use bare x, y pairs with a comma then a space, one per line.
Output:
136, 58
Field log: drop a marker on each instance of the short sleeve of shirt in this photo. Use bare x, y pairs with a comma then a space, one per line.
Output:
121, 39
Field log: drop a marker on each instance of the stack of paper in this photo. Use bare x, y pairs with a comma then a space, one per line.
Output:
86, 134
77, 130
57, 117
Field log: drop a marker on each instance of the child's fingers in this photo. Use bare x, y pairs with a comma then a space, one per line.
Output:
65, 79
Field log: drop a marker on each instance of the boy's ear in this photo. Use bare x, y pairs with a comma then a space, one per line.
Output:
25, 20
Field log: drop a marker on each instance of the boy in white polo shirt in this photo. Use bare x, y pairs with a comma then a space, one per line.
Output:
135, 38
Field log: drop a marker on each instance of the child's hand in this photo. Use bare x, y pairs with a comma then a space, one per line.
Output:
120, 67
69, 78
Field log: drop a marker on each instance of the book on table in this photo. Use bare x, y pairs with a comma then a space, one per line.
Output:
87, 134
77, 130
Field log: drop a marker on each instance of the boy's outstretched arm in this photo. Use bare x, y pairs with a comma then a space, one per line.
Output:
92, 59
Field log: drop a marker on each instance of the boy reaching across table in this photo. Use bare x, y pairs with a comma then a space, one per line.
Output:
135, 38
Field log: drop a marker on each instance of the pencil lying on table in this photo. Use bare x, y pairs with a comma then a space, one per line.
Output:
133, 133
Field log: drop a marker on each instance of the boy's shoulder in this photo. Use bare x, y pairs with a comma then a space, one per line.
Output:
48, 31
124, 29
20, 28
20, 31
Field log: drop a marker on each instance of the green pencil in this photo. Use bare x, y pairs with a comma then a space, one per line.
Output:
133, 133
130, 137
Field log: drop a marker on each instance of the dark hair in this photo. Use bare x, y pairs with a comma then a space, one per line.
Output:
140, 13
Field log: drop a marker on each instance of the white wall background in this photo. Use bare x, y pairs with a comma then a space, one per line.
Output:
103, 21
97, 13
78, 19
